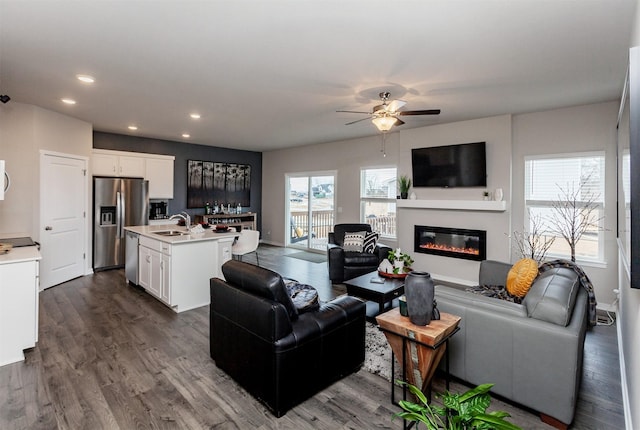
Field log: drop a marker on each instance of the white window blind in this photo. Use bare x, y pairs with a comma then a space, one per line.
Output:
545, 177
551, 178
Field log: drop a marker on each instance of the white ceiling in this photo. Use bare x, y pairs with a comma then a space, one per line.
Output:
271, 74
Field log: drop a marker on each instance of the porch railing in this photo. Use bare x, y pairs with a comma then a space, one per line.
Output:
323, 222
384, 225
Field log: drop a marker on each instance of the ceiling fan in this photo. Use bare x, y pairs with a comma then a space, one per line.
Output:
385, 115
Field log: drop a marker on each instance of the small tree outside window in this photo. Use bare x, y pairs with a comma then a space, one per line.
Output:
564, 197
576, 213
533, 242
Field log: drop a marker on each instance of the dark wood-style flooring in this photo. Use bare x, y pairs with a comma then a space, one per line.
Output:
110, 356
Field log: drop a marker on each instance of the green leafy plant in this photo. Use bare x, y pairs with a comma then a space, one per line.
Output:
398, 255
404, 184
460, 412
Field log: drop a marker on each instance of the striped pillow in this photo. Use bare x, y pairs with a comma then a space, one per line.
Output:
353, 242
370, 240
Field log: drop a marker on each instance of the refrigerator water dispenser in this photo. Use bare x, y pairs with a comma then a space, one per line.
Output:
107, 215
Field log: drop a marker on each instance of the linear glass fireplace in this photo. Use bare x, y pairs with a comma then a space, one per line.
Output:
451, 242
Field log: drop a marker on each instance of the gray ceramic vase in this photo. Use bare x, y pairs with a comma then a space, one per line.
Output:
418, 288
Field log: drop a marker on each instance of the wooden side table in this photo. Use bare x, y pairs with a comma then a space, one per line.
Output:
418, 349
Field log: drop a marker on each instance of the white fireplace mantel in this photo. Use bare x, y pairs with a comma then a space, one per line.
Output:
456, 205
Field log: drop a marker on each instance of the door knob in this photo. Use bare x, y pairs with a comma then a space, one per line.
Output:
48, 227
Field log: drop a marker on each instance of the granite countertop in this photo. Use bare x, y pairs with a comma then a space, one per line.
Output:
151, 230
20, 254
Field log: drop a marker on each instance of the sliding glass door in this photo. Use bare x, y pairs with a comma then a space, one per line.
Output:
311, 212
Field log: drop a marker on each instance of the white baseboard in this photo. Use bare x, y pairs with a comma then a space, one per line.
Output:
607, 307
628, 419
271, 242
452, 280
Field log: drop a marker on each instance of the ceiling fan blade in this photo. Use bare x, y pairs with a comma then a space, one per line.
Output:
358, 120
398, 122
354, 111
420, 112
395, 105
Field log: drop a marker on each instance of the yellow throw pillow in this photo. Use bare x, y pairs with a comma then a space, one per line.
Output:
521, 276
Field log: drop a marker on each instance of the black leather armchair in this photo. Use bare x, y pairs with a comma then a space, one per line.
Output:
347, 265
278, 355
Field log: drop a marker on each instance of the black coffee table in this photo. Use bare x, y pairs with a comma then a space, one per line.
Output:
381, 292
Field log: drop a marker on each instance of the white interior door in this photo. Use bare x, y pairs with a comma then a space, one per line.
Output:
63, 195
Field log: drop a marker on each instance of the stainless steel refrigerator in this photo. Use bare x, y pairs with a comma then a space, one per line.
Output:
117, 203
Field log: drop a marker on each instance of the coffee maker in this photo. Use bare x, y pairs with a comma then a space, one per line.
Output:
158, 210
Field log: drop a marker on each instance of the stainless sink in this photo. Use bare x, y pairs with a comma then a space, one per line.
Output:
170, 233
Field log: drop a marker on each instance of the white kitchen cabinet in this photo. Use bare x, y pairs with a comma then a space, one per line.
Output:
18, 303
178, 273
150, 275
157, 169
131, 166
104, 164
159, 172
165, 285
115, 163
154, 265
144, 267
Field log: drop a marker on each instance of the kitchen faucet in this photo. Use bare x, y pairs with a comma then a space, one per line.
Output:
185, 216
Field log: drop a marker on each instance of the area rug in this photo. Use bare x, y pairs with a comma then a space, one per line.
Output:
308, 256
377, 354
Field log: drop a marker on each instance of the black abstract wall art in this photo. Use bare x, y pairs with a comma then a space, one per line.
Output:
225, 183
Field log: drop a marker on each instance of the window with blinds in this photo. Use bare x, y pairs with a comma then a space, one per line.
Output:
549, 179
378, 199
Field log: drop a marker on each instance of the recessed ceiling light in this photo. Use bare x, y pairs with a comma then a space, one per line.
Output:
186, 135
133, 127
195, 115
69, 101
86, 79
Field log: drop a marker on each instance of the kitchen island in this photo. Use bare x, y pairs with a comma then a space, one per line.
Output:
175, 266
18, 302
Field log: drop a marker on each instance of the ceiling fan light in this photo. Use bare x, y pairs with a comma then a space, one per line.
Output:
86, 79
384, 123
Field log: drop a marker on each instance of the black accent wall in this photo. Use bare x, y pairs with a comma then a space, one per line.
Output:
183, 152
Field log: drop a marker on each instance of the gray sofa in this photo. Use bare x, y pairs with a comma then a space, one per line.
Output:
532, 351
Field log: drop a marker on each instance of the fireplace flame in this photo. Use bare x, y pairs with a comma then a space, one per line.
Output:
448, 248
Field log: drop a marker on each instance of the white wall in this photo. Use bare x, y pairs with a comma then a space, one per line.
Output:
496, 132
576, 129
509, 139
24, 131
345, 157
18, 148
629, 317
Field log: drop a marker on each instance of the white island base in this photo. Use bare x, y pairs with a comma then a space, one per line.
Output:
177, 269
18, 302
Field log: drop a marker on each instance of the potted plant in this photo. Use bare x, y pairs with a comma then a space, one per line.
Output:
401, 261
404, 184
465, 411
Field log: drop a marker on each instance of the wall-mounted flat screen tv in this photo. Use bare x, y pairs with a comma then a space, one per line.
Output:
463, 165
